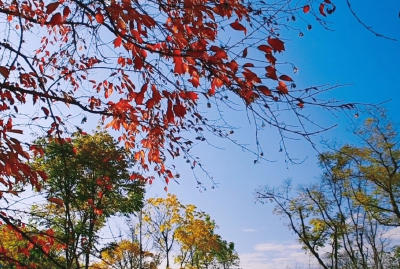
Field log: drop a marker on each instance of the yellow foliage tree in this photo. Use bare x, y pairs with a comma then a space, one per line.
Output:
170, 222
198, 243
163, 216
126, 255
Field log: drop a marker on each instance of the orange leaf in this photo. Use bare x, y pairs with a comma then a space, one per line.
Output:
117, 42
98, 211
51, 7
276, 44
321, 9
285, 78
99, 18
195, 81
56, 19
306, 9
192, 95
108, 92
239, 27
282, 88
57, 201
4, 71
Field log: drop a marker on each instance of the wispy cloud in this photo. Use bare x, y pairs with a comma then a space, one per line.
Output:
276, 255
248, 230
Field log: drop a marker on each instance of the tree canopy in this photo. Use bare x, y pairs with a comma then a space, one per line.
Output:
344, 220
146, 68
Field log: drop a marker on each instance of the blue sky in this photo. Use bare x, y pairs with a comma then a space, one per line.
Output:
347, 55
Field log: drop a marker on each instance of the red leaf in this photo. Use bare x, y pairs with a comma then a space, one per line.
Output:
46, 111
156, 94
248, 65
170, 113
117, 42
56, 19
195, 81
179, 110
42, 174
239, 27
4, 71
178, 63
264, 90
108, 91
51, 7
143, 53
221, 54
66, 12
192, 95
276, 44
321, 10
57, 201
328, 1
306, 9
98, 211
282, 88
265, 48
166, 189
140, 96
100, 18
270, 58
285, 78
271, 72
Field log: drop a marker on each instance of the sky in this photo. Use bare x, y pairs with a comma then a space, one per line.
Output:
347, 55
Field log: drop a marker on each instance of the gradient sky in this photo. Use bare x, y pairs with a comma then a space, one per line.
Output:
347, 55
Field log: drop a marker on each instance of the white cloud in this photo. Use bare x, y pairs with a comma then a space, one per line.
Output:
392, 234
248, 230
276, 255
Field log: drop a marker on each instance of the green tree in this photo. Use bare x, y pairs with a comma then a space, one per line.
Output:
226, 255
89, 180
375, 163
342, 219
